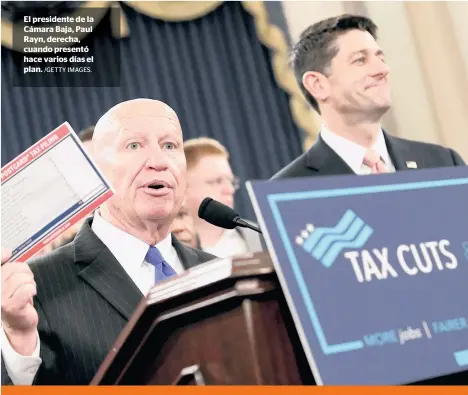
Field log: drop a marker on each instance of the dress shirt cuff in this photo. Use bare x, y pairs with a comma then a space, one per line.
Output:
21, 369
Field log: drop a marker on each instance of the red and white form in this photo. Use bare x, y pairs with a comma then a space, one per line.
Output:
47, 189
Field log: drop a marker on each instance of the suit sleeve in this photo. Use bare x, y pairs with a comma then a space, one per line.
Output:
49, 372
457, 159
49, 352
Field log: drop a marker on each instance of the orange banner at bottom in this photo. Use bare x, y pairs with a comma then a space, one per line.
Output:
222, 390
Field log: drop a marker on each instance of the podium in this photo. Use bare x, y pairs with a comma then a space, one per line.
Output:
225, 322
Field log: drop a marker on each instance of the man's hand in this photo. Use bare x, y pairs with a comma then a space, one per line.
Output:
19, 317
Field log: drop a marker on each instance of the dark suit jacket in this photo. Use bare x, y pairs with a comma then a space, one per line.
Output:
321, 160
84, 300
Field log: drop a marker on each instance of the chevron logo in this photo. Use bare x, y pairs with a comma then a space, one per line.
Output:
326, 244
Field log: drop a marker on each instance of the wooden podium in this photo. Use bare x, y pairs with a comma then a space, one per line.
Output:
225, 322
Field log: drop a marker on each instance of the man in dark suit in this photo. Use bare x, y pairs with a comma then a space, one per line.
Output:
342, 72
62, 313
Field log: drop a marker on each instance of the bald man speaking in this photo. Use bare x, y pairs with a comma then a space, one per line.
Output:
62, 312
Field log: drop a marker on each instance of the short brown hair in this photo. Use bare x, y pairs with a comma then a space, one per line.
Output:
199, 147
315, 49
86, 134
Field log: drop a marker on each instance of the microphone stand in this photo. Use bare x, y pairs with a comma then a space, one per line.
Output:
240, 222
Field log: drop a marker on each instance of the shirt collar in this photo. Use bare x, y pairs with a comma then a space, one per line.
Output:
351, 152
129, 251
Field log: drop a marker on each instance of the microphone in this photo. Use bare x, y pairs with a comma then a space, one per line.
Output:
219, 214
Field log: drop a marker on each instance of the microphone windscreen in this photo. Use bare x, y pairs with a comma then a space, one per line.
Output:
217, 214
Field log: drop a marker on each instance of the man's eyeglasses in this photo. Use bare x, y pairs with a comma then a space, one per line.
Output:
218, 181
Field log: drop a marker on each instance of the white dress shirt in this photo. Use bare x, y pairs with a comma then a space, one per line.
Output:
353, 153
231, 243
130, 252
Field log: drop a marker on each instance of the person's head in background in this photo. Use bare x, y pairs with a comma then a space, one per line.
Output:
341, 70
86, 136
183, 227
209, 174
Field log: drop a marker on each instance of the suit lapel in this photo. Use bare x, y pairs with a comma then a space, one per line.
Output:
399, 152
322, 160
187, 256
104, 273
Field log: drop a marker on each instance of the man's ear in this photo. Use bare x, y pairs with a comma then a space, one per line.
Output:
316, 84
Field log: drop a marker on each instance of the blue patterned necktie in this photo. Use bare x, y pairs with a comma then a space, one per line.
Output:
162, 269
